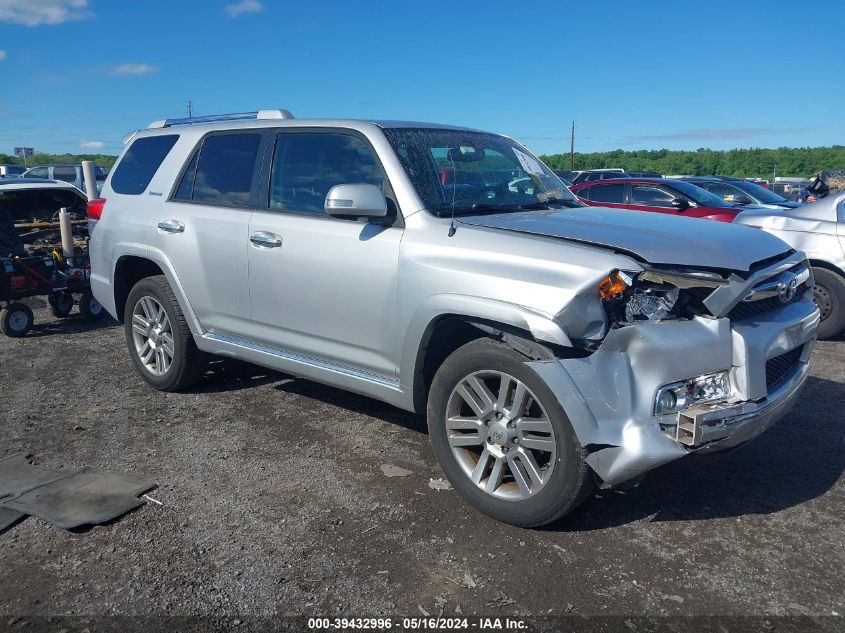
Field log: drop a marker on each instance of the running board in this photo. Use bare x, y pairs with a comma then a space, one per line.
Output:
293, 361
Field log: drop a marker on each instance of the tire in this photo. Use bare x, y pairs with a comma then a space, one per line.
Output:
829, 295
566, 479
16, 320
61, 303
89, 307
187, 363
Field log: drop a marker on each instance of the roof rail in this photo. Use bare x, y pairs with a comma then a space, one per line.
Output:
238, 116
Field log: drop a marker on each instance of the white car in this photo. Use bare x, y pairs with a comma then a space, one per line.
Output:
818, 229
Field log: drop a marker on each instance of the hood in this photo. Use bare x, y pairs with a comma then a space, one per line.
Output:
824, 210
657, 238
786, 204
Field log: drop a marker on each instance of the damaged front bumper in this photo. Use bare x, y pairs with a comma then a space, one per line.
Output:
609, 396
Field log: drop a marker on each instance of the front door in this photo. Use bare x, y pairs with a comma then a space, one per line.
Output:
322, 287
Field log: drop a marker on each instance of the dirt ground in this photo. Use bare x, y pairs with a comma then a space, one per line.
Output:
274, 502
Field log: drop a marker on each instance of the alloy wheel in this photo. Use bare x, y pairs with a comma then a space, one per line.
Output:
500, 435
152, 335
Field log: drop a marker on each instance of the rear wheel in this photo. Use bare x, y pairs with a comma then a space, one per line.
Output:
503, 439
829, 295
160, 343
61, 303
16, 320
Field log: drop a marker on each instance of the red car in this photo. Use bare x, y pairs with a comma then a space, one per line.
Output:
660, 195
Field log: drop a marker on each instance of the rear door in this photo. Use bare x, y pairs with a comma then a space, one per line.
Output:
203, 228
323, 287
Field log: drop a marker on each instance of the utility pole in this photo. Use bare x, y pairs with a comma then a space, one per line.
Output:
190, 109
572, 147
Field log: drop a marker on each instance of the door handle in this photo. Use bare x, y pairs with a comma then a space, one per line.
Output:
263, 239
171, 226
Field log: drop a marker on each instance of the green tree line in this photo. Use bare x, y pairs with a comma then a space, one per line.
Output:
745, 163
104, 160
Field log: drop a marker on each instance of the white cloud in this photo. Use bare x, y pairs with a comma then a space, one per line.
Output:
92, 145
121, 70
35, 12
244, 6
2, 55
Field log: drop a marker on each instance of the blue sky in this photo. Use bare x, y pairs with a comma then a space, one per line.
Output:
633, 75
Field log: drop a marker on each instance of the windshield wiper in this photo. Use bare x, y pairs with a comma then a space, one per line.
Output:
478, 207
545, 204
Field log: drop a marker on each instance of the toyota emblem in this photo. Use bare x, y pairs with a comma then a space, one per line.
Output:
788, 291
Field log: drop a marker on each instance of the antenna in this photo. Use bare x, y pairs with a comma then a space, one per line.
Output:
572, 147
452, 227
190, 110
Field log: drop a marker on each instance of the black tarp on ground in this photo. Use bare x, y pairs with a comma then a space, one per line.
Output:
66, 499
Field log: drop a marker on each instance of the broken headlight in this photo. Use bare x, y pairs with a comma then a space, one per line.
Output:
679, 395
628, 299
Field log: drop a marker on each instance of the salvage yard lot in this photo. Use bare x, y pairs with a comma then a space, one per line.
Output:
274, 499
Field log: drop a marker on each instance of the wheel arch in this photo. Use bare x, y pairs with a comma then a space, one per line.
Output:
820, 263
131, 268
434, 335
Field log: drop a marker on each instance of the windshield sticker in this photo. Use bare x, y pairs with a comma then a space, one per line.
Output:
529, 163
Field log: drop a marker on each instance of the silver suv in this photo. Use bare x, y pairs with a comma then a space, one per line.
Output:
553, 347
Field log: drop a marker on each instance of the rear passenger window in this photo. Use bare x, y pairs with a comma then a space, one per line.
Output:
139, 164
307, 165
615, 194
225, 169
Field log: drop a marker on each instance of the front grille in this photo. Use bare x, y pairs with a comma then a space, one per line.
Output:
747, 309
781, 367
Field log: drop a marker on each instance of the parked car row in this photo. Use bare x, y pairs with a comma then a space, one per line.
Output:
66, 172
553, 345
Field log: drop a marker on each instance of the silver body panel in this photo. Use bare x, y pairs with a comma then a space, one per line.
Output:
351, 304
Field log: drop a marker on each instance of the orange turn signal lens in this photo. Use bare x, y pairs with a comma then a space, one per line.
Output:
611, 286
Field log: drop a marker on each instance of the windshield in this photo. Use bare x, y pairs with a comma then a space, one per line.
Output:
701, 196
459, 171
760, 193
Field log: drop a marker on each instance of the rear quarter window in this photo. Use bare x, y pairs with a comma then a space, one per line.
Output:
134, 172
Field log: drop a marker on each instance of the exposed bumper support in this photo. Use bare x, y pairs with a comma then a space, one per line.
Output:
609, 396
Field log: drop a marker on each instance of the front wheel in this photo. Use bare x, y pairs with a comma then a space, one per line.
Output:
503, 439
160, 343
829, 295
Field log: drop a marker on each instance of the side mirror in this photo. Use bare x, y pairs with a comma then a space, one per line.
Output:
356, 201
680, 204
742, 200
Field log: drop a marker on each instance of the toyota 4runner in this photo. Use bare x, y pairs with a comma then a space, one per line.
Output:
553, 347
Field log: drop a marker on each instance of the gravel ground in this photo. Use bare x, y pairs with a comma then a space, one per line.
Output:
274, 501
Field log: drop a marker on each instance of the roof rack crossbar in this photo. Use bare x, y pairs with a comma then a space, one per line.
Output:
236, 116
